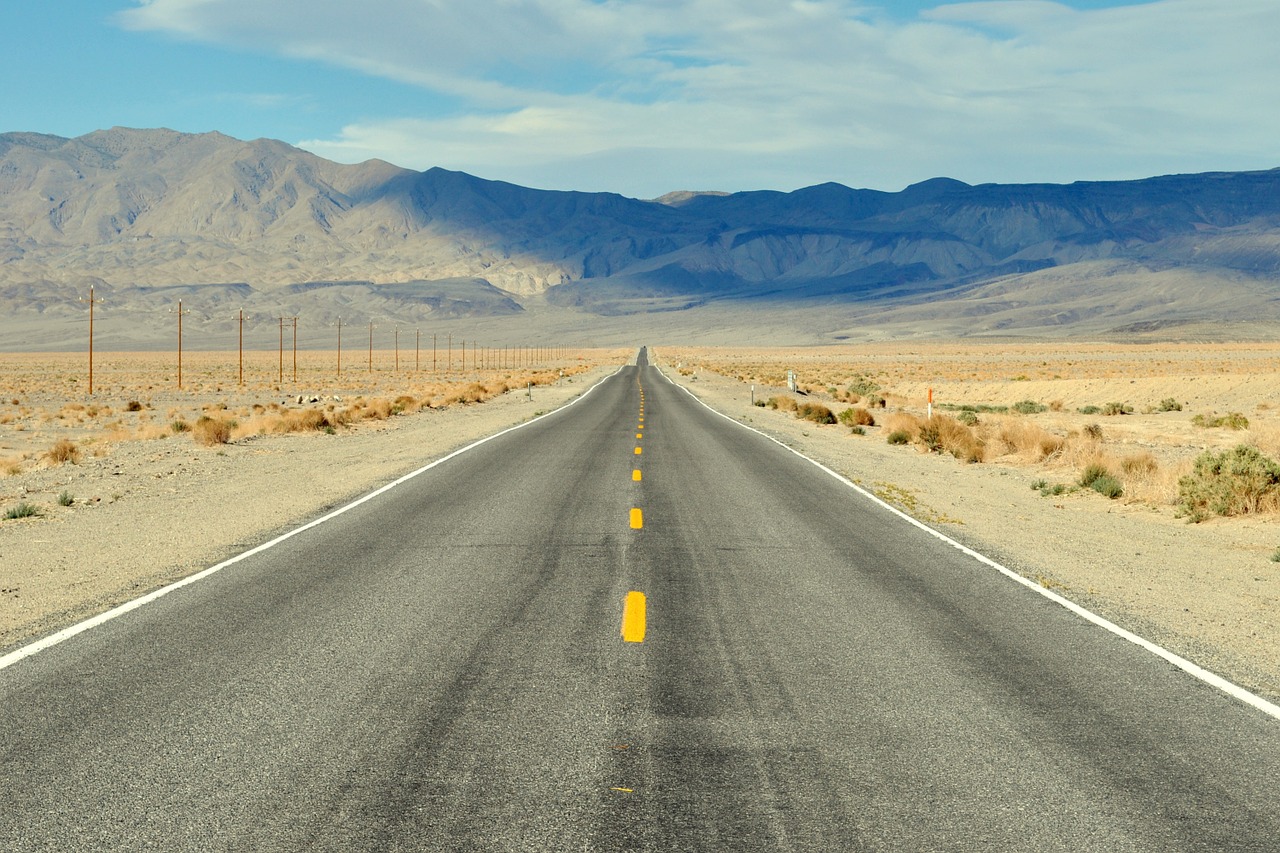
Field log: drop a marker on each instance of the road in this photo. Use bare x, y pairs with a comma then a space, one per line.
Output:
443, 668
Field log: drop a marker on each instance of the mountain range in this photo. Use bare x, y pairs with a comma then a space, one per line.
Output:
152, 216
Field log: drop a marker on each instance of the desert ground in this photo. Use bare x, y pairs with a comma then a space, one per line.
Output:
142, 482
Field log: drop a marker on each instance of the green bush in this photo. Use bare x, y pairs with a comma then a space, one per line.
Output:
857, 430
23, 510
66, 498
1117, 409
1090, 410
898, 436
862, 386
1028, 407
1092, 473
967, 418
1168, 404
1231, 420
1238, 481
1107, 486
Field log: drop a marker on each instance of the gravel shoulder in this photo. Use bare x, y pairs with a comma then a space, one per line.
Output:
1208, 591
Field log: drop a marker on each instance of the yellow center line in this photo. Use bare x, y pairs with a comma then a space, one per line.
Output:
633, 618
635, 475
637, 451
639, 435
637, 518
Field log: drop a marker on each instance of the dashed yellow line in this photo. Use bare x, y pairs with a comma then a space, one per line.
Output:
637, 518
635, 475
637, 451
633, 618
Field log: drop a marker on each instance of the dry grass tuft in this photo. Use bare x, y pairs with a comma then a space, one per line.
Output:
63, 451
212, 431
1024, 439
11, 466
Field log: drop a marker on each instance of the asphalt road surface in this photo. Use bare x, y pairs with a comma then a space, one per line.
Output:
443, 667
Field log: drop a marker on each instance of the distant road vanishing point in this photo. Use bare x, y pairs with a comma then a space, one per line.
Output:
627, 625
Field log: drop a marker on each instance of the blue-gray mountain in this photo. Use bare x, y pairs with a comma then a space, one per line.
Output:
150, 208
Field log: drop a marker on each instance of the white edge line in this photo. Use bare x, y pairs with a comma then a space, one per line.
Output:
1210, 678
94, 621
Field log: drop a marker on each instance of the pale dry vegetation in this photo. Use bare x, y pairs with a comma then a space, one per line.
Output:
1036, 407
44, 398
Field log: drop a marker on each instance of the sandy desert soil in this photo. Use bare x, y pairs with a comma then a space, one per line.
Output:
1208, 591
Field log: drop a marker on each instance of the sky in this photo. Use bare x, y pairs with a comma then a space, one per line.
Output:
642, 97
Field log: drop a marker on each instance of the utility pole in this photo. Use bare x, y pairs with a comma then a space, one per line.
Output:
180, 312
91, 302
339, 347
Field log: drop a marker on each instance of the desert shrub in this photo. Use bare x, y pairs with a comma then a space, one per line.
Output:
1037, 485
815, 412
760, 403
211, 431
967, 418
1138, 464
861, 386
1093, 431
1090, 410
857, 430
63, 451
785, 404
1056, 406
11, 467
1238, 481
1092, 473
1275, 556
180, 426
1234, 420
133, 406
1026, 439
1107, 486
930, 436
66, 498
1169, 404
898, 436
875, 401
1231, 420
858, 416
312, 419
1028, 407
23, 510
1112, 409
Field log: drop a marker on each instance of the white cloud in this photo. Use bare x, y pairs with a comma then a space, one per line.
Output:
656, 95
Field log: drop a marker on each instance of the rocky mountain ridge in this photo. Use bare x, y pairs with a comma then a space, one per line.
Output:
156, 208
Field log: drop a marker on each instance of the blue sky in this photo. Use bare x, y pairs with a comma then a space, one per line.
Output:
646, 96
